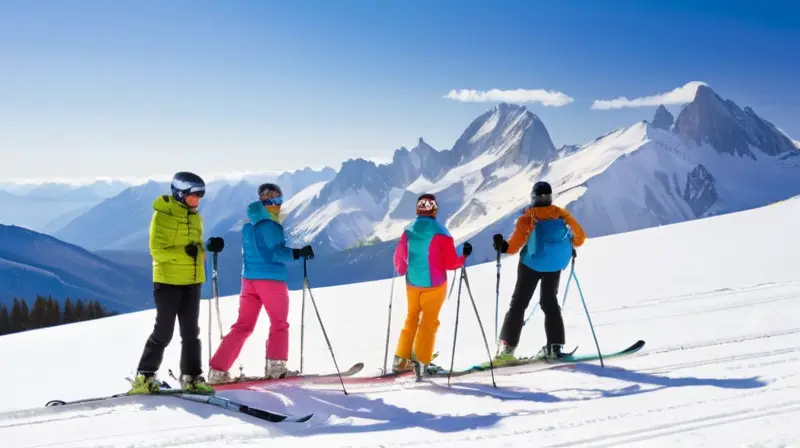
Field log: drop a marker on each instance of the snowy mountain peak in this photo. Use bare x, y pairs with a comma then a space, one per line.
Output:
729, 129
663, 119
505, 129
356, 174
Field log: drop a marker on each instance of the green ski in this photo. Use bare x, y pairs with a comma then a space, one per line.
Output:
568, 359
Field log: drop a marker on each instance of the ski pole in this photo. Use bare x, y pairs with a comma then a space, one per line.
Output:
480, 324
497, 300
455, 330
215, 293
389, 324
324, 333
210, 352
569, 280
599, 353
452, 286
303, 315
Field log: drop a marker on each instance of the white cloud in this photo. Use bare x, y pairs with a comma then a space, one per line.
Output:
679, 95
545, 97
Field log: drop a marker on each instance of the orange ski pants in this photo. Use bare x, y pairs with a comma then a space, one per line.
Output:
419, 334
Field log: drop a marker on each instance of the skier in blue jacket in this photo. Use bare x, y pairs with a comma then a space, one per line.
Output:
264, 254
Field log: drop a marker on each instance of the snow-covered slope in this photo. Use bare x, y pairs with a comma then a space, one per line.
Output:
720, 367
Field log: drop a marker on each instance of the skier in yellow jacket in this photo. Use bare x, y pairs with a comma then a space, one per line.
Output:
176, 245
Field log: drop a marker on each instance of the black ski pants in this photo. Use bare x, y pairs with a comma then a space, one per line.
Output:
181, 302
527, 280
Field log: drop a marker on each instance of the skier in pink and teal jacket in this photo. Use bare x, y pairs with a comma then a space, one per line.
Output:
425, 253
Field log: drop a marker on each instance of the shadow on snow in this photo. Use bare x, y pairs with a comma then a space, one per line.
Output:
639, 379
336, 413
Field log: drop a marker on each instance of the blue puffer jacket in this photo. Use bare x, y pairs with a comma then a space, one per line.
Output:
264, 250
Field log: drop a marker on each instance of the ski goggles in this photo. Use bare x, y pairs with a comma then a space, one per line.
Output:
427, 205
199, 192
277, 200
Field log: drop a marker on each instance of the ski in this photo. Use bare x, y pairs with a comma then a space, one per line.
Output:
485, 367
213, 400
571, 358
167, 392
226, 403
244, 382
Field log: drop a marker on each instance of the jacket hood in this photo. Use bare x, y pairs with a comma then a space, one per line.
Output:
422, 225
167, 204
257, 213
544, 212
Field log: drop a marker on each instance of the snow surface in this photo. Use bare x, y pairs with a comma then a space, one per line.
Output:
721, 367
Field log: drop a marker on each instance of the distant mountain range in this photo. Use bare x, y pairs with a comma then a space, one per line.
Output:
48, 206
123, 221
33, 263
714, 158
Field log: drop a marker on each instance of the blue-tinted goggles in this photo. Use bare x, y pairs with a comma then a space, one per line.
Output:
273, 201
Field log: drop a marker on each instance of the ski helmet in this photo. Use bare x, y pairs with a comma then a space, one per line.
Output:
185, 183
542, 194
427, 205
270, 188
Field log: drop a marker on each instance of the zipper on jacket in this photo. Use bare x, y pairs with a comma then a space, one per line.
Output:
189, 239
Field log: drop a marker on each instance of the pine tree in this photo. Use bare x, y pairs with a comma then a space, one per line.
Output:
53, 312
69, 312
79, 311
48, 312
38, 314
100, 310
91, 310
5, 320
25, 315
17, 320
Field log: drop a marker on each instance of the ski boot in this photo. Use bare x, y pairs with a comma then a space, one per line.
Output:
218, 376
505, 354
276, 369
422, 370
551, 352
196, 385
145, 384
401, 365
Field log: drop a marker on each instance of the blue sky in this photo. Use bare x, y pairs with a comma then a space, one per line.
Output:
123, 88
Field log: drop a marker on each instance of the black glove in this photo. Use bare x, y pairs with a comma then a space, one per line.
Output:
215, 244
574, 253
467, 249
191, 249
305, 252
499, 243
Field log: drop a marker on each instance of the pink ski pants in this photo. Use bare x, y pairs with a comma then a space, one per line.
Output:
274, 297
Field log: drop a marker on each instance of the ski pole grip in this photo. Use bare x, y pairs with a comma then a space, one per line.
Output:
215, 244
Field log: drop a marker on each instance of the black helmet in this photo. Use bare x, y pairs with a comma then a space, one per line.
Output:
184, 183
264, 188
268, 188
542, 194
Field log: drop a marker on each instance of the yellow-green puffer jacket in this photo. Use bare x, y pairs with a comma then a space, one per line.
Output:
172, 227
